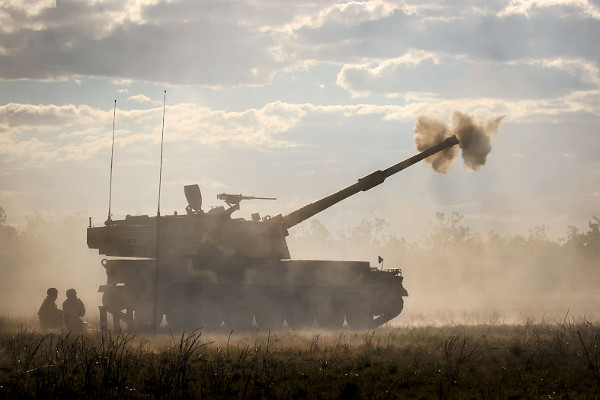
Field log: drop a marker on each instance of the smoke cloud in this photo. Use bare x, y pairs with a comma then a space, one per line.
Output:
475, 133
429, 132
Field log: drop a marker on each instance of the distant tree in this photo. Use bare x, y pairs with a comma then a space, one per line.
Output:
589, 242
539, 234
369, 231
7, 232
318, 231
594, 225
450, 231
591, 239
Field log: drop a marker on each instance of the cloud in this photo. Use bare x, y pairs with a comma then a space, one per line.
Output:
351, 13
19, 116
142, 98
526, 6
228, 44
122, 82
457, 28
100, 39
454, 77
39, 134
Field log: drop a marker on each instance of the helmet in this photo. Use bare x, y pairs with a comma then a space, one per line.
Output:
52, 291
71, 293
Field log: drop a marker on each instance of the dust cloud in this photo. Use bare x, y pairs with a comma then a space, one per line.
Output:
456, 276
453, 275
475, 133
47, 252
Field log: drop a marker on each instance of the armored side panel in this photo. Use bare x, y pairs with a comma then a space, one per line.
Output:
268, 294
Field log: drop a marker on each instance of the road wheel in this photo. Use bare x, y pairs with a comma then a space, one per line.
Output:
359, 319
237, 318
269, 319
299, 317
329, 318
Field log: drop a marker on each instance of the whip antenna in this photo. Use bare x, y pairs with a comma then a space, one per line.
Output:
162, 136
112, 152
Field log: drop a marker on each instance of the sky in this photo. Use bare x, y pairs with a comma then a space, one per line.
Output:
296, 100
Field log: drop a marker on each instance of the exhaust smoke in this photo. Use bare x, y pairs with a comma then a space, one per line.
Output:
475, 133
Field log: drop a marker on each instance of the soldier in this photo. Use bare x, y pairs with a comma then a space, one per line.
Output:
50, 316
73, 309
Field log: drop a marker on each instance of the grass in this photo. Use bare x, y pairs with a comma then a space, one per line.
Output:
533, 360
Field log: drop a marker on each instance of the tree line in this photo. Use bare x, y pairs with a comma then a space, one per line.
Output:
48, 251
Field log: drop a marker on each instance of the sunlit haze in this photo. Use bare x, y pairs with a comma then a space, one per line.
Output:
296, 100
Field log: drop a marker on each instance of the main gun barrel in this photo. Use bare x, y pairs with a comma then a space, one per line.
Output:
365, 183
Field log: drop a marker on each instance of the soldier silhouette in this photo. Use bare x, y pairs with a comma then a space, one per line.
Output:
73, 309
50, 316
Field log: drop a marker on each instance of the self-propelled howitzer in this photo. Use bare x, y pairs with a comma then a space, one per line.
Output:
208, 270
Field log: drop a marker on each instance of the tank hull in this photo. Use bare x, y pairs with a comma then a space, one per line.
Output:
251, 294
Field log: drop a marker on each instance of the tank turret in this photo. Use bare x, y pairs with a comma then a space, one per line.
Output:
207, 269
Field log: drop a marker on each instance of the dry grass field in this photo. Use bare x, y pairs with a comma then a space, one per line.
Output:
558, 359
